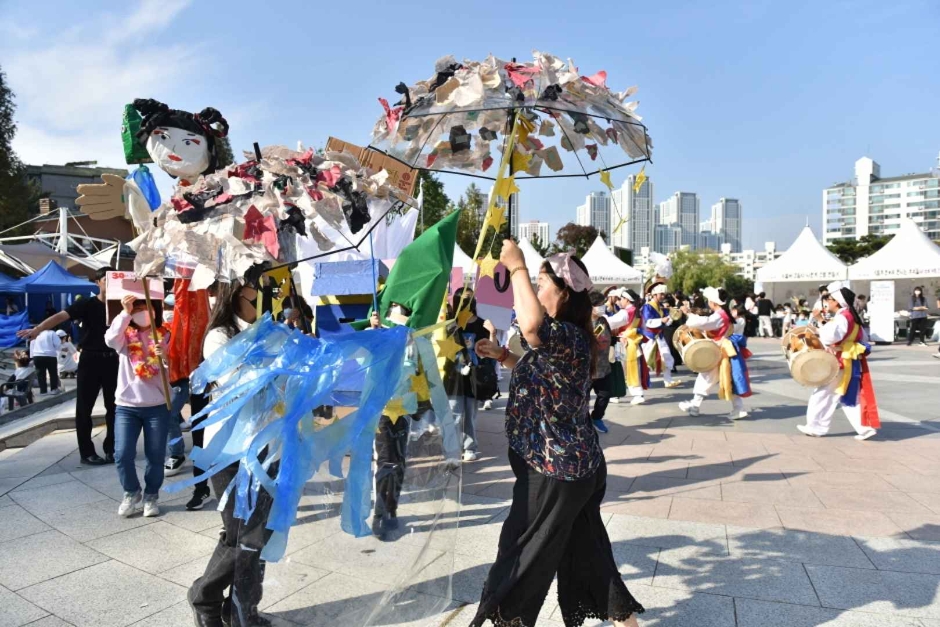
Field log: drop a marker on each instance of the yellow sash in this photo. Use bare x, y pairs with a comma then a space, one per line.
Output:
632, 338
725, 383
851, 351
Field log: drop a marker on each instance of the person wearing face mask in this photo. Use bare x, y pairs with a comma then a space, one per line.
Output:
918, 324
141, 404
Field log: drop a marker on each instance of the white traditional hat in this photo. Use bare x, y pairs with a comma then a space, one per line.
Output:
659, 289
711, 295
835, 291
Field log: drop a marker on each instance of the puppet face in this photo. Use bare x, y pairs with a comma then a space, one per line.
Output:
180, 153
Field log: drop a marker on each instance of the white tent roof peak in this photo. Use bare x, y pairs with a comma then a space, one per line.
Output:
605, 268
462, 260
909, 254
805, 260
533, 260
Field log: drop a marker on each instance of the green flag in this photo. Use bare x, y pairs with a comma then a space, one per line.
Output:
420, 276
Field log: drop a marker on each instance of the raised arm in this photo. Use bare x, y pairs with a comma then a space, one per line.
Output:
705, 323
529, 312
49, 323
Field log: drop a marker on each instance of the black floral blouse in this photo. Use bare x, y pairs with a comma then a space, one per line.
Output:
547, 420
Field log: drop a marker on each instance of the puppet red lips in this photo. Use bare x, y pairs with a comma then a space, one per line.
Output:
174, 158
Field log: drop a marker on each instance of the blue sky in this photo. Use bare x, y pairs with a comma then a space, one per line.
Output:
768, 102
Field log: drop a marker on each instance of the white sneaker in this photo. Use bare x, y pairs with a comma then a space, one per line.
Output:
864, 436
487, 405
173, 465
807, 431
638, 400
130, 504
689, 408
470, 456
151, 508
615, 401
738, 414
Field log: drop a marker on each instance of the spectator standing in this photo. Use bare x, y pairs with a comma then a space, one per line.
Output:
67, 356
601, 384
45, 353
765, 311
918, 322
861, 307
97, 368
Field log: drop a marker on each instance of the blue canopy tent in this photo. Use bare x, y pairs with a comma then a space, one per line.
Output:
54, 284
9, 325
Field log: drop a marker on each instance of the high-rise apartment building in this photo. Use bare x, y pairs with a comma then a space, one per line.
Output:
596, 212
682, 209
872, 205
529, 230
635, 211
512, 217
667, 238
725, 222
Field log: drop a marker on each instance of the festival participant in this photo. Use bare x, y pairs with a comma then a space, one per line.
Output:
229, 591
141, 404
820, 312
44, 351
845, 337
918, 320
97, 368
655, 349
626, 323
554, 524
67, 356
730, 377
601, 381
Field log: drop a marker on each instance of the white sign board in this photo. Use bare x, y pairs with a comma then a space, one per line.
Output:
881, 311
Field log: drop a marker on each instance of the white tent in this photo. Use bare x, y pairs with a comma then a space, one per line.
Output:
462, 260
909, 259
605, 268
805, 266
533, 261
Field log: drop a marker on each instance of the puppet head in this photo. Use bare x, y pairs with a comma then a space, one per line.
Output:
181, 143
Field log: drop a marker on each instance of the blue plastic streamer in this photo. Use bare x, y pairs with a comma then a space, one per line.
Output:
269, 380
148, 187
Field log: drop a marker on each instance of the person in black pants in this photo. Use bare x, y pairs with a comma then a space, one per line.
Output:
391, 442
918, 321
201, 491
97, 368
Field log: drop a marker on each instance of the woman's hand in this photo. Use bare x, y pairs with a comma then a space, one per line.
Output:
487, 348
128, 303
511, 256
374, 321
158, 351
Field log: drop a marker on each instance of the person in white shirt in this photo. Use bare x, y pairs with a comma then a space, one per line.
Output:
45, 353
844, 336
68, 363
730, 377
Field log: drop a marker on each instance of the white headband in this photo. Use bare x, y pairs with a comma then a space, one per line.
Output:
711, 295
659, 289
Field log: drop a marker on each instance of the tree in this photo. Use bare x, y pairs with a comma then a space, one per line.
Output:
696, 269
16, 193
574, 237
436, 203
851, 250
223, 152
737, 286
472, 206
542, 248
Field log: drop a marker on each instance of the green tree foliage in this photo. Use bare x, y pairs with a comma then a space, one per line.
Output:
223, 150
851, 250
436, 203
16, 194
574, 237
696, 269
542, 248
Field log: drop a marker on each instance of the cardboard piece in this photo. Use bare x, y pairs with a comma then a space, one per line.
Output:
399, 175
492, 304
120, 284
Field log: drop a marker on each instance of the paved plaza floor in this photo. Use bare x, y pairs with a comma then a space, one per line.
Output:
713, 523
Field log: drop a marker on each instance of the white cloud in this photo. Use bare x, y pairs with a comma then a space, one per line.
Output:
71, 89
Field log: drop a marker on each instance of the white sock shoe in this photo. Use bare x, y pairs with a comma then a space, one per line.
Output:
689, 408
638, 400
807, 431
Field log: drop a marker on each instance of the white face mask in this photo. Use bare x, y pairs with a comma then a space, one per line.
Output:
212, 302
141, 319
600, 310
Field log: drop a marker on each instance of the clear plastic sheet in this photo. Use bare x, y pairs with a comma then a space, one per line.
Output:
301, 434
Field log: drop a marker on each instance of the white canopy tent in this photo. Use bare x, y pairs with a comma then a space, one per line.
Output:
909, 259
800, 271
606, 269
462, 260
533, 261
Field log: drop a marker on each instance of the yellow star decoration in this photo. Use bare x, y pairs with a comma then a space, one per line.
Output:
488, 266
605, 179
448, 348
495, 217
520, 161
395, 410
419, 385
640, 179
506, 187
463, 318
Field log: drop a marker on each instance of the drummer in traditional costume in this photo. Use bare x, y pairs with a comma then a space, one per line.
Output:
655, 350
845, 337
730, 377
626, 325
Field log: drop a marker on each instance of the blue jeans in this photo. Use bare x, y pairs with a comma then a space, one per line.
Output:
174, 439
128, 423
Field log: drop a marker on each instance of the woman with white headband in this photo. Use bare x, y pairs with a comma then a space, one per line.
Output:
554, 524
730, 376
845, 337
626, 324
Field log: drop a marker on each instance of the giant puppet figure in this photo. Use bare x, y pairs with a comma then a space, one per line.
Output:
845, 337
730, 377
